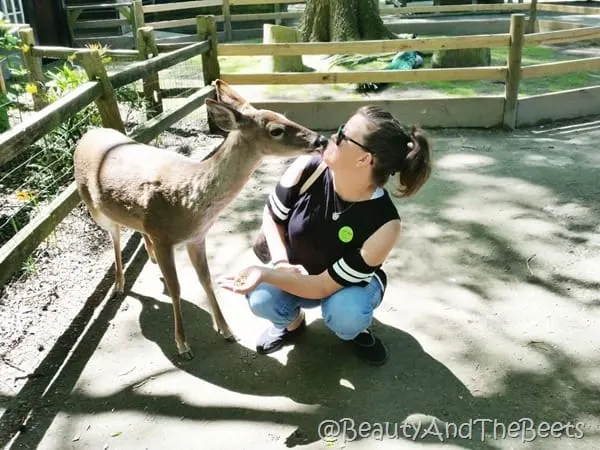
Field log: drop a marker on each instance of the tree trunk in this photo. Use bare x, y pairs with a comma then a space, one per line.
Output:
277, 63
342, 20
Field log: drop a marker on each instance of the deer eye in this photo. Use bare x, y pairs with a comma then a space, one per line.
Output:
276, 132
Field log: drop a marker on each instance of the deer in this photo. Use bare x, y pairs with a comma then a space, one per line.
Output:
172, 199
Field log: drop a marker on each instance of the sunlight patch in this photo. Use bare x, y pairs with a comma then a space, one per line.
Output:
547, 161
464, 160
347, 384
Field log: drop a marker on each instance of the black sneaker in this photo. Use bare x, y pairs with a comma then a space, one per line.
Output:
274, 338
370, 348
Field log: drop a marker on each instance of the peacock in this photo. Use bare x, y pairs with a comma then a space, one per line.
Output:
401, 61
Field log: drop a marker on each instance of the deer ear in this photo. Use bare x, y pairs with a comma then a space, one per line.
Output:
226, 94
224, 116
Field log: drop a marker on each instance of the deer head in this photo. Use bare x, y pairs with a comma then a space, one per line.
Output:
269, 132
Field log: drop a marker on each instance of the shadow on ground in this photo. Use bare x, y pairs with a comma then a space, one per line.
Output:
499, 259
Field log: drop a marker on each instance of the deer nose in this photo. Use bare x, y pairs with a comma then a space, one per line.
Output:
321, 141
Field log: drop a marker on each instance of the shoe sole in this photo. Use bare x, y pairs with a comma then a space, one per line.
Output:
283, 342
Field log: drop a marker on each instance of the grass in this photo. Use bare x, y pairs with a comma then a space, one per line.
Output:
531, 86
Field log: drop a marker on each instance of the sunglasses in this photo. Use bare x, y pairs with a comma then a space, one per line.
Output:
340, 136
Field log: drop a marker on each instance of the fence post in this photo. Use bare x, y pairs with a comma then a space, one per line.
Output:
2, 83
72, 16
148, 49
137, 12
107, 102
532, 17
34, 68
277, 9
207, 31
227, 20
513, 76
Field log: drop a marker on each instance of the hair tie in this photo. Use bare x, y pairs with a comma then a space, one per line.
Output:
413, 146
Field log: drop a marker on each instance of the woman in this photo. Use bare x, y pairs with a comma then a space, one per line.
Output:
328, 244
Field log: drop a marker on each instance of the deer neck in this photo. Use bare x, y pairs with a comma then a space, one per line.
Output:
228, 170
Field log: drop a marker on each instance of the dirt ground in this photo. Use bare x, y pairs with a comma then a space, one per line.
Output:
491, 318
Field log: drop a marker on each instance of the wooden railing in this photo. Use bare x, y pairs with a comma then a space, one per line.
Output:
99, 89
16, 140
133, 13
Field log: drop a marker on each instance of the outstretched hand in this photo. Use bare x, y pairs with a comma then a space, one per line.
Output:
244, 281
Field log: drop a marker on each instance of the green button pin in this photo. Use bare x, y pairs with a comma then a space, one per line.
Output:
345, 234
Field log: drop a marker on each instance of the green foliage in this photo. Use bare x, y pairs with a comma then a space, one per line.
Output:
40, 173
4, 104
10, 45
465, 57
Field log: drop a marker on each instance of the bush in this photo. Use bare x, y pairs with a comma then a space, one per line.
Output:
468, 57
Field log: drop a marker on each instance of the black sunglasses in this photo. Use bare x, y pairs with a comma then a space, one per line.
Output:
341, 136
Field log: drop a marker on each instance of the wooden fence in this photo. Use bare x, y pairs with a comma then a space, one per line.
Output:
503, 111
99, 89
133, 14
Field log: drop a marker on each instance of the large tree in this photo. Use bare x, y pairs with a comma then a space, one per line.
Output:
342, 20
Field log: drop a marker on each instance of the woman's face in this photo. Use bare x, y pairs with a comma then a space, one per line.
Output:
349, 153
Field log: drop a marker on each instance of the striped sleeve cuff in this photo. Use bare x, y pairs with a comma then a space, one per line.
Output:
279, 203
351, 269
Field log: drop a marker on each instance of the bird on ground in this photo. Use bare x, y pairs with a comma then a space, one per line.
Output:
408, 60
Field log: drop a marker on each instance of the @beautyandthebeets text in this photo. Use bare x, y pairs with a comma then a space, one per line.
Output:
482, 429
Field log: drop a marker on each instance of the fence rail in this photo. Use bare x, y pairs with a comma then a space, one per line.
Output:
563, 36
364, 47
557, 68
16, 140
133, 13
375, 76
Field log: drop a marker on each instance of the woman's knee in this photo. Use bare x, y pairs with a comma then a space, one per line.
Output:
347, 314
269, 302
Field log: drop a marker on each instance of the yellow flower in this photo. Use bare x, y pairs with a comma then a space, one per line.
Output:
25, 48
31, 88
24, 196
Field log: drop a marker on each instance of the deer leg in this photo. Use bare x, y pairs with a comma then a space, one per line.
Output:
115, 234
166, 261
197, 254
149, 247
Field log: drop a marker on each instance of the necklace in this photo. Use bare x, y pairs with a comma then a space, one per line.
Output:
336, 215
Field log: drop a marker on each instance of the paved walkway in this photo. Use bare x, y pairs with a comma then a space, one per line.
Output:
492, 314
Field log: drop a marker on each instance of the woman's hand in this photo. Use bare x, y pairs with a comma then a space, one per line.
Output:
244, 281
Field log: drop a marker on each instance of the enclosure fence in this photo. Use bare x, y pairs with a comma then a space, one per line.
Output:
152, 56
100, 90
134, 14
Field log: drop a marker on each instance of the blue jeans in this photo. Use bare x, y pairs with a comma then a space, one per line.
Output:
347, 312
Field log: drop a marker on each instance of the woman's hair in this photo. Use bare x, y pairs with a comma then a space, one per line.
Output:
397, 151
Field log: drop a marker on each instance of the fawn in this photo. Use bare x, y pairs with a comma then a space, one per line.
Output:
172, 199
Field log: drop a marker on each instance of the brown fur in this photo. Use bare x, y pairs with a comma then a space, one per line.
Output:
172, 199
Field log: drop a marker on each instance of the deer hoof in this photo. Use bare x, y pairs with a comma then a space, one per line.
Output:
186, 356
227, 334
185, 352
117, 292
232, 338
